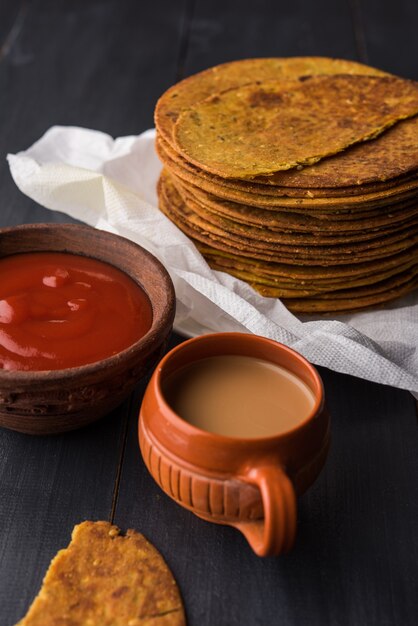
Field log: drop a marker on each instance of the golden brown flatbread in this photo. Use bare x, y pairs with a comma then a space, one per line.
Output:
387, 162
351, 303
335, 300
280, 236
392, 154
319, 285
190, 223
106, 579
338, 229
326, 224
288, 246
187, 92
265, 127
403, 191
312, 273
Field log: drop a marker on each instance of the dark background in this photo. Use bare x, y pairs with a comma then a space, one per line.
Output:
102, 64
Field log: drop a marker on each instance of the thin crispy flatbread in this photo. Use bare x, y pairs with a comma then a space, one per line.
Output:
319, 285
200, 86
265, 127
279, 236
172, 205
360, 203
299, 176
389, 161
321, 225
313, 274
106, 579
392, 154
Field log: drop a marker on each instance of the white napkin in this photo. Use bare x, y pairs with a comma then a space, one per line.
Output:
111, 184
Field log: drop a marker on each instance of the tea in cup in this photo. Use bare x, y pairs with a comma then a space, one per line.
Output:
232, 427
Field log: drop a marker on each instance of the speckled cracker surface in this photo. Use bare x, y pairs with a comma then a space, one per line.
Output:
391, 163
265, 127
106, 579
299, 176
187, 92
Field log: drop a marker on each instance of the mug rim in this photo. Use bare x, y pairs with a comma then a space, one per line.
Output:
191, 430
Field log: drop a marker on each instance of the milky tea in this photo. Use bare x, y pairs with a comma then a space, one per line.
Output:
239, 396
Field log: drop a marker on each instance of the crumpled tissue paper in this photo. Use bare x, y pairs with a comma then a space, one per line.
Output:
111, 184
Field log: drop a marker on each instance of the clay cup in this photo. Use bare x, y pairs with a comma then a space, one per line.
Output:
250, 484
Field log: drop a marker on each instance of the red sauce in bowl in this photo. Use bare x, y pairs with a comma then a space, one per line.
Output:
60, 310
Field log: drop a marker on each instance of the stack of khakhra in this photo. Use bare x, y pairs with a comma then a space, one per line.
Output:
298, 175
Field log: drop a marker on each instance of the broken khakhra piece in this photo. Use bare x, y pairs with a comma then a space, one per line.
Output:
106, 579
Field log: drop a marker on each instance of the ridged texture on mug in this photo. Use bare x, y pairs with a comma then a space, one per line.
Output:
216, 498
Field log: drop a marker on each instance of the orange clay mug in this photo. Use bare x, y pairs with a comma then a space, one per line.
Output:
250, 484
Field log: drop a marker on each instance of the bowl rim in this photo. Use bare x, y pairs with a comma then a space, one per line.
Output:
144, 344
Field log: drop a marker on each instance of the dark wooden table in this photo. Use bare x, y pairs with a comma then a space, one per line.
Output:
102, 64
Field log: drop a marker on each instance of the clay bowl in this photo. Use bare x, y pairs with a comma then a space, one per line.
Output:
54, 401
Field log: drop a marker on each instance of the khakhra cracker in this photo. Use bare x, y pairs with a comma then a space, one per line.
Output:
297, 175
104, 578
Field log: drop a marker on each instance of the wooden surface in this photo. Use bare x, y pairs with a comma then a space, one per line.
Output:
102, 64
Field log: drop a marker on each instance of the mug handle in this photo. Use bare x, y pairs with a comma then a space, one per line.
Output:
275, 533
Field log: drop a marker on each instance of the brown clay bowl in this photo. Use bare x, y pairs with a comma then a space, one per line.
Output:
54, 401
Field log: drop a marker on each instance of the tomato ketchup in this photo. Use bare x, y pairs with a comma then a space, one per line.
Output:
60, 310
